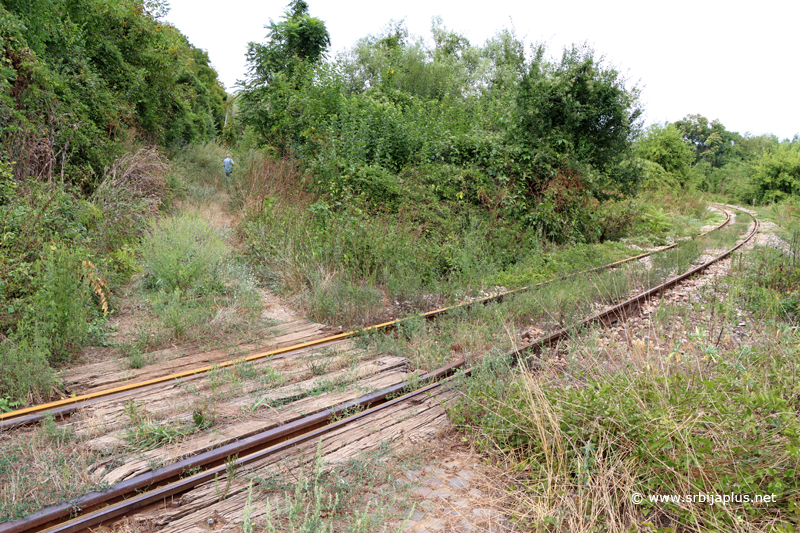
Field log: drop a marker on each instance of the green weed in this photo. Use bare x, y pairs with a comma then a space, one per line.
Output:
146, 433
53, 433
330, 499
230, 474
26, 374
193, 284
62, 307
7, 405
183, 252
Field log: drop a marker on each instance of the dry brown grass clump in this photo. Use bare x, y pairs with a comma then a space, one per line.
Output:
265, 179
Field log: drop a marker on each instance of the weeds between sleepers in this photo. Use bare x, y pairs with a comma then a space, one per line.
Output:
149, 428
319, 497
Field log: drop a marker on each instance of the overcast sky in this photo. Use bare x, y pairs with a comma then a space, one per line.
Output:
736, 62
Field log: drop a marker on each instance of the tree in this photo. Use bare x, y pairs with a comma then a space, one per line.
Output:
776, 174
273, 101
665, 146
297, 37
79, 77
578, 108
711, 141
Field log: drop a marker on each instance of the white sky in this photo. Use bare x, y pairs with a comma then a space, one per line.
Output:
729, 60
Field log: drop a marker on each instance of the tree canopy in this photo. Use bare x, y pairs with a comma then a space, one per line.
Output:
579, 107
665, 146
297, 37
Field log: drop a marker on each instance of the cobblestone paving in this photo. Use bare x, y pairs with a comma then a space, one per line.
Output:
454, 493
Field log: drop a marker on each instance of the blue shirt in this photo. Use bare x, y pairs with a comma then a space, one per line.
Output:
228, 163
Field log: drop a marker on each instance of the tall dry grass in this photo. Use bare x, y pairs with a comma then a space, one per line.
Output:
672, 409
263, 180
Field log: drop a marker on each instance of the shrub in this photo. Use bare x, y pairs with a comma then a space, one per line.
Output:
183, 252
24, 371
776, 174
62, 307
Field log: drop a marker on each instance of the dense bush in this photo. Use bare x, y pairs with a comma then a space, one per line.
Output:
539, 140
79, 78
776, 174
82, 85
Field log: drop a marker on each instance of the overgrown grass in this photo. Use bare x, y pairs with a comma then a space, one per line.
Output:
351, 263
193, 281
684, 410
350, 271
475, 331
45, 466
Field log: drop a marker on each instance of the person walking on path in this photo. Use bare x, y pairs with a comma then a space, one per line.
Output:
228, 164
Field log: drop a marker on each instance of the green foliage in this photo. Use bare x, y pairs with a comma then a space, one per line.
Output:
393, 110
183, 252
26, 374
59, 252
709, 138
737, 165
664, 146
80, 78
776, 174
280, 76
772, 284
61, 308
719, 147
338, 301
53, 433
656, 178
192, 281
577, 108
298, 37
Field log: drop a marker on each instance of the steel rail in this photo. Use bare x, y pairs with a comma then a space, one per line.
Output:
263, 444
67, 406
622, 310
167, 480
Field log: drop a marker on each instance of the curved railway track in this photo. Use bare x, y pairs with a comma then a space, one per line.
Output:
166, 483
67, 406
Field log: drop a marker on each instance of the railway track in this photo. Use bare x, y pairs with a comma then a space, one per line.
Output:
67, 406
166, 484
